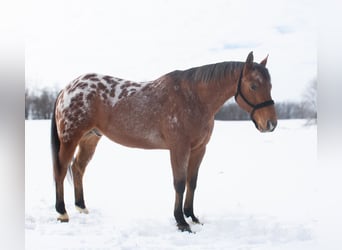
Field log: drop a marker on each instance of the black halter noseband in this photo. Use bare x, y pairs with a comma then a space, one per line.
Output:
253, 106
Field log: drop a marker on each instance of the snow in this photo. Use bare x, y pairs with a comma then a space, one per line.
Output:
255, 191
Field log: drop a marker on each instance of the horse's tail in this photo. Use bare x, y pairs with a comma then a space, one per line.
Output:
55, 142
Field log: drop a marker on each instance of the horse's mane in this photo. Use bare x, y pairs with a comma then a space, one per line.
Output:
214, 72
207, 73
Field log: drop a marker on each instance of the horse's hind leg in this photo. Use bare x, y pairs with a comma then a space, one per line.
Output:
86, 149
65, 155
196, 157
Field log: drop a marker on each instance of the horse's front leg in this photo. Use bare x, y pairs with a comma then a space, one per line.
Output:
196, 157
179, 161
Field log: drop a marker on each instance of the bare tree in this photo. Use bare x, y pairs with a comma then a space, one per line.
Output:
44, 104
39, 103
310, 102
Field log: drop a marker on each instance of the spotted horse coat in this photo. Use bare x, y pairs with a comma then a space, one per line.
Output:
76, 103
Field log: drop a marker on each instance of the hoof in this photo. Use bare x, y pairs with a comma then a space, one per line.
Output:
193, 217
82, 210
63, 218
195, 220
184, 228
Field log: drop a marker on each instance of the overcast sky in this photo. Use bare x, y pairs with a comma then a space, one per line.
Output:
142, 40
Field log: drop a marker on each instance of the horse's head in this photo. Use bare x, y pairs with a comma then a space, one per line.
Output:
253, 94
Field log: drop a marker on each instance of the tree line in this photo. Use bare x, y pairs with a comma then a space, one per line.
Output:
39, 105
284, 110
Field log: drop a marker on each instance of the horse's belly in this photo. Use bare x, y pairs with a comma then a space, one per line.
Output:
143, 139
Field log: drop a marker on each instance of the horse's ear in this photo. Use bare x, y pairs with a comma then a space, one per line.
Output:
249, 62
263, 62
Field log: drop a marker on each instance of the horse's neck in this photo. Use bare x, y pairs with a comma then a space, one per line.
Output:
215, 93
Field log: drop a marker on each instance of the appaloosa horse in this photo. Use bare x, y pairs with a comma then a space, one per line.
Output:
174, 112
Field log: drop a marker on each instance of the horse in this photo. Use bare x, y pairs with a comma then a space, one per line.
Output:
174, 112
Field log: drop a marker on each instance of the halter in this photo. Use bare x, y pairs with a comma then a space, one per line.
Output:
253, 106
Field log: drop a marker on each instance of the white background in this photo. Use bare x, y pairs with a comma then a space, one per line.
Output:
142, 40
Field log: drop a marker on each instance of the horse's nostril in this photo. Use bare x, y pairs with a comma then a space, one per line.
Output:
271, 125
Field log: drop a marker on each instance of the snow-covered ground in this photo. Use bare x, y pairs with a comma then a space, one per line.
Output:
255, 191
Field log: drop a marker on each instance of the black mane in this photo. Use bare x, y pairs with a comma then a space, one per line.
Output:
214, 72
207, 73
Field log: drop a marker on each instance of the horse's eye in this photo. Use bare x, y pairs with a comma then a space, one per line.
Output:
253, 86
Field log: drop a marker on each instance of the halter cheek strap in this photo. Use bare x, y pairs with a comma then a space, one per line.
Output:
253, 106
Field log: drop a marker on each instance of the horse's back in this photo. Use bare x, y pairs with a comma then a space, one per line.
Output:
146, 114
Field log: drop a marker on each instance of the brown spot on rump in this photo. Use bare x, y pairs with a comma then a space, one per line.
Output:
91, 95
78, 105
113, 85
124, 93
88, 76
76, 113
77, 98
76, 85
129, 84
93, 86
83, 85
132, 91
94, 79
134, 84
112, 89
104, 96
126, 85
112, 92
66, 112
109, 80
101, 86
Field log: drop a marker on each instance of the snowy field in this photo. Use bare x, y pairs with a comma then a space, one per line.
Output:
255, 191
